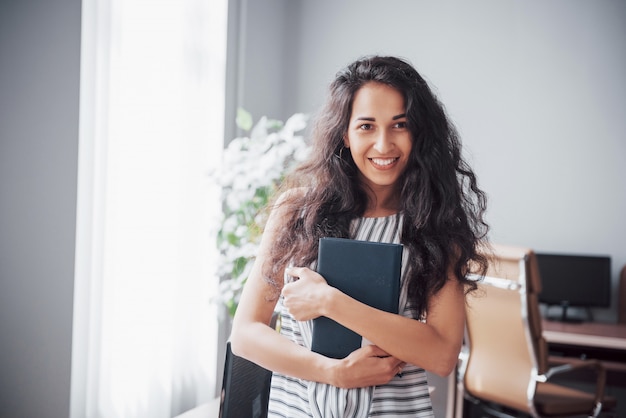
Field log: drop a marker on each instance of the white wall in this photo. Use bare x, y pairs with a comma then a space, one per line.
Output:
535, 88
39, 79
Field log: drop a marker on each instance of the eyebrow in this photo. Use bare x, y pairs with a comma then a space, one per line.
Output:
370, 119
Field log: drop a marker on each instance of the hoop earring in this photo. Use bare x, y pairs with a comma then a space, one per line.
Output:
340, 156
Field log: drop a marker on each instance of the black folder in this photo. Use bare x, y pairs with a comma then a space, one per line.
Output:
366, 271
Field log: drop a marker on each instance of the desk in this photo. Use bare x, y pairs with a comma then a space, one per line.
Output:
586, 334
605, 342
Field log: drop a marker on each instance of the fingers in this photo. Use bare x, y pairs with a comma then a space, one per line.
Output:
295, 273
298, 273
377, 351
364, 368
396, 364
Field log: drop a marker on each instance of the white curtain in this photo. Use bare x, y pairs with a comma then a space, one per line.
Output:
152, 110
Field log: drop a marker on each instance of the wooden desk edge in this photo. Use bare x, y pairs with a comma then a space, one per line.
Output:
584, 340
587, 334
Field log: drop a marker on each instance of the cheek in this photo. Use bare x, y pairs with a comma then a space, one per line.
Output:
407, 145
356, 150
408, 151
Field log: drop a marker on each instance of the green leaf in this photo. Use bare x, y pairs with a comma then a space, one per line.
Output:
244, 119
274, 124
232, 307
239, 266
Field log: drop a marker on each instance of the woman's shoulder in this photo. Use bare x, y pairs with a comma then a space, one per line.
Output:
295, 193
288, 201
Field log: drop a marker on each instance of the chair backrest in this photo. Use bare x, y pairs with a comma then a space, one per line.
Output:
245, 388
506, 347
246, 385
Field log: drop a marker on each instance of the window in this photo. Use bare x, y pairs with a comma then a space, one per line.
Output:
152, 111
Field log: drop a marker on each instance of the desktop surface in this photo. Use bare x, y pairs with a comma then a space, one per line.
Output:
586, 334
593, 340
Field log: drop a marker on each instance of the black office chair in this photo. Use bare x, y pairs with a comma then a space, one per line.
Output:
245, 388
246, 385
621, 297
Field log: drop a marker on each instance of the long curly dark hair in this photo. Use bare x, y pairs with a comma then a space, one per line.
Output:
443, 207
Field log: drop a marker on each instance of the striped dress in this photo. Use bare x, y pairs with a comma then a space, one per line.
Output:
405, 396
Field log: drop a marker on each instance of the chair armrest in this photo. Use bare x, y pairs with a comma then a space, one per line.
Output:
572, 364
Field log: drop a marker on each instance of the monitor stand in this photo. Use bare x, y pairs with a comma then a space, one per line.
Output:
564, 318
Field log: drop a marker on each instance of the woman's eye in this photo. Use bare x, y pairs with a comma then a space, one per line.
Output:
366, 126
400, 125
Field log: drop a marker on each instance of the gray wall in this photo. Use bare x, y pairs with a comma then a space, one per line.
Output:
535, 88
260, 64
39, 84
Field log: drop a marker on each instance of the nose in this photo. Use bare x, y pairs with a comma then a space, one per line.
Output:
384, 143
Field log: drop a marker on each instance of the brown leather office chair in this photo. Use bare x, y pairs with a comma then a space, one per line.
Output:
504, 365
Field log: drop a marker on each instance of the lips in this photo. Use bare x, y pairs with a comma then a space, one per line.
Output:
384, 163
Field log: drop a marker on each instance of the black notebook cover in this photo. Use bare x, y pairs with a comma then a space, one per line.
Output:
366, 271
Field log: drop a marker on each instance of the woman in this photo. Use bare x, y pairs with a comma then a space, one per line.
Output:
386, 165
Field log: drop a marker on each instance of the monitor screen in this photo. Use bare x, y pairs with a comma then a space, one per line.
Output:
575, 280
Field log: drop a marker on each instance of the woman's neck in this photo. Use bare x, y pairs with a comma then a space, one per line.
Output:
379, 213
382, 204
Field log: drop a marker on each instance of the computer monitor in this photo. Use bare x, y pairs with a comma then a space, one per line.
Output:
575, 280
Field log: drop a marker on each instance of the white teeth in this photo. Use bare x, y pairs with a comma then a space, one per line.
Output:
383, 161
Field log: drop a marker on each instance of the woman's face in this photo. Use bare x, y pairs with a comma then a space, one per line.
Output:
378, 138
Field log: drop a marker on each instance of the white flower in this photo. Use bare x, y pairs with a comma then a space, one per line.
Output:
296, 123
252, 167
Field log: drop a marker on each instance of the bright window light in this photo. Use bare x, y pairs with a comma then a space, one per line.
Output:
152, 112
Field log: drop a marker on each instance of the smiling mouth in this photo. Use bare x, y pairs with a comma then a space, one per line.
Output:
383, 162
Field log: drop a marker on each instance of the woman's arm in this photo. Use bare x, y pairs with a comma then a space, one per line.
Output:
253, 339
433, 345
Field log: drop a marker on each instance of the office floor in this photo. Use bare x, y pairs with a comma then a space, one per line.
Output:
476, 411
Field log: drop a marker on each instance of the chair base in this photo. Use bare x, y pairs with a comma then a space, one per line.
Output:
477, 408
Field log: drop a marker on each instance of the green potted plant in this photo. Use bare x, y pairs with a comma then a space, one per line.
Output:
253, 168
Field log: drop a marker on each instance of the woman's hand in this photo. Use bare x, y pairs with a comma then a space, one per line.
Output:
306, 294
367, 366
